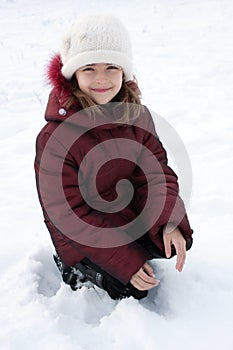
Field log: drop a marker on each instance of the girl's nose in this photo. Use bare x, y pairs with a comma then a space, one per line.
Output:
100, 77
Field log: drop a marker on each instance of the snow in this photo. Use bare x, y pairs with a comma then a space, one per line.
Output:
183, 59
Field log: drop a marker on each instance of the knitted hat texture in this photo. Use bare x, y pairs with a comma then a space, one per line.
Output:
96, 39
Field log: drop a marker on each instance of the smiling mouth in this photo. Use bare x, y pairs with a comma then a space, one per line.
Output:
101, 90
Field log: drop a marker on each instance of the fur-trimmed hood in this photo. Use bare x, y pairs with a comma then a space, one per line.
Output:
55, 78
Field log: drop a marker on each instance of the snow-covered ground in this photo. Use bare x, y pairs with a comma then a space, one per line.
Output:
183, 56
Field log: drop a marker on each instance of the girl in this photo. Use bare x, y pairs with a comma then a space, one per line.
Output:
98, 134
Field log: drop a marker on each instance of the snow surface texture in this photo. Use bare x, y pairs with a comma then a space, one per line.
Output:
183, 56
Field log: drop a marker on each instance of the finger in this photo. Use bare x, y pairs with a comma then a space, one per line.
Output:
181, 256
148, 269
146, 278
138, 283
167, 245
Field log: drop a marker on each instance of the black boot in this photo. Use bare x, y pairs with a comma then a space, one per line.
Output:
69, 274
86, 271
115, 289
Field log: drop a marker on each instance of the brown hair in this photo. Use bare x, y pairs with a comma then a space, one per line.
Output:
128, 94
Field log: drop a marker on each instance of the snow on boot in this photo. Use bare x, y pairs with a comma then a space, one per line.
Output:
69, 274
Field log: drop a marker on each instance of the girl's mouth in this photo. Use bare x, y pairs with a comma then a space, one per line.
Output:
101, 90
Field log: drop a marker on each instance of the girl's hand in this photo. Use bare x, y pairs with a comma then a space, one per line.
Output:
144, 279
174, 237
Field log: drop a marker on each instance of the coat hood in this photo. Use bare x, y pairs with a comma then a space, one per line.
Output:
55, 78
56, 110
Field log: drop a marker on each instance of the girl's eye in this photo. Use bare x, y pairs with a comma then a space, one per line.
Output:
87, 69
112, 67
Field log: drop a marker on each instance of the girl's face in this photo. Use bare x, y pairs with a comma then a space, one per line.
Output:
100, 81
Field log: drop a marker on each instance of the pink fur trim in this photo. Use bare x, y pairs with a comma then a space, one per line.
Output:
55, 78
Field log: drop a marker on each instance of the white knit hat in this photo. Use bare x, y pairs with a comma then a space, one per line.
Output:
96, 39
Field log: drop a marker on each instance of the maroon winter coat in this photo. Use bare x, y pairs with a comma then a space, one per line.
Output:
66, 181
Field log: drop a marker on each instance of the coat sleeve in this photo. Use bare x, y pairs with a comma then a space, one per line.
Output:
156, 188
71, 221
